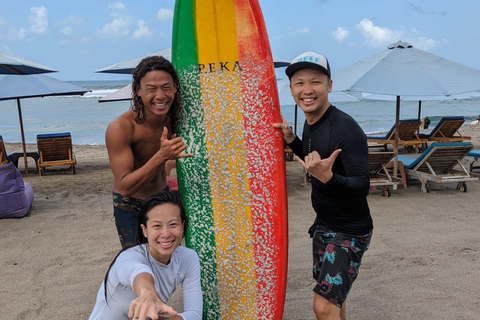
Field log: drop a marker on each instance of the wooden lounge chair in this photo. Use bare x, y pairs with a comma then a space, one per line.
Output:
3, 152
437, 164
407, 135
55, 150
379, 174
446, 130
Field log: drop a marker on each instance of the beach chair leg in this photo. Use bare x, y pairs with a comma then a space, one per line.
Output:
424, 187
462, 186
386, 191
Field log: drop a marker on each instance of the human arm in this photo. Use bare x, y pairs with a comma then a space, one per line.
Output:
129, 180
290, 138
147, 304
318, 167
350, 170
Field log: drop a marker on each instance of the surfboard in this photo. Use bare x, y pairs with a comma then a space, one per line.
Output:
234, 187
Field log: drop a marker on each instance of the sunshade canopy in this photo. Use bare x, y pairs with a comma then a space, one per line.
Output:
10, 64
403, 70
35, 85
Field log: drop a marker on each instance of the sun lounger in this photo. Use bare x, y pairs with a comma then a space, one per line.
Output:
437, 164
472, 157
379, 174
407, 135
446, 130
55, 149
13, 157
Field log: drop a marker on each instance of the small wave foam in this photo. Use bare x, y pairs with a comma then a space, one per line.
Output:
98, 93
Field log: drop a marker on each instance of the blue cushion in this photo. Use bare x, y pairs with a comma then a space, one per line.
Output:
474, 153
53, 135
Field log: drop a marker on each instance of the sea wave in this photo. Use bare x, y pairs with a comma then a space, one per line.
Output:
98, 93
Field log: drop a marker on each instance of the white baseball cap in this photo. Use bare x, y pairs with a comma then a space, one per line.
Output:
308, 59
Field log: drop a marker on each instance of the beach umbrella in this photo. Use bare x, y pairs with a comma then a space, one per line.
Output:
286, 98
127, 66
122, 94
403, 71
10, 64
32, 86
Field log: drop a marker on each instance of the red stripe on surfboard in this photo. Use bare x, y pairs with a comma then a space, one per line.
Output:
266, 164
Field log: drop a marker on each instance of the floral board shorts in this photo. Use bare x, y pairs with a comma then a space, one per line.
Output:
336, 260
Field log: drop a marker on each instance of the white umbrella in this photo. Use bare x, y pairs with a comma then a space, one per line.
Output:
31, 86
403, 71
122, 94
286, 98
10, 64
127, 66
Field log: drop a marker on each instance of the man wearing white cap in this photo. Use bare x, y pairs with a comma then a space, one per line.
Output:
334, 152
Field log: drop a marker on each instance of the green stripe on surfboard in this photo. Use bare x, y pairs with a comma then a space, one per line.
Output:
200, 236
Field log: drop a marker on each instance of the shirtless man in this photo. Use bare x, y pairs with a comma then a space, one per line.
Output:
140, 142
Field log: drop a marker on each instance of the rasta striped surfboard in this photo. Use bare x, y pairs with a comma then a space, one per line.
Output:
234, 187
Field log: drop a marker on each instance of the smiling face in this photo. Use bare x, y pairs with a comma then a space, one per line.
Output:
157, 91
310, 89
163, 230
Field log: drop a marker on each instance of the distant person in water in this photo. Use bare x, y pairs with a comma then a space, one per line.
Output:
140, 141
426, 122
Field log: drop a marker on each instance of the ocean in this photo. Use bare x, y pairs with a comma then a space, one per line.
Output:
87, 119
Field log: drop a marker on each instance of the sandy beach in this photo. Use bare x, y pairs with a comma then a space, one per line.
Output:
423, 262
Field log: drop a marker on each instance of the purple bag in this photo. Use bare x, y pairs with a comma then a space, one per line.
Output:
16, 196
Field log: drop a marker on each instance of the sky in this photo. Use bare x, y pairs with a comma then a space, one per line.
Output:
79, 37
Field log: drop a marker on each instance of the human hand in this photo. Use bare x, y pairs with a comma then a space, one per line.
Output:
148, 306
172, 148
288, 134
318, 167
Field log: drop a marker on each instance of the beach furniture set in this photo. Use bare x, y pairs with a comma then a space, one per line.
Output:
441, 162
54, 150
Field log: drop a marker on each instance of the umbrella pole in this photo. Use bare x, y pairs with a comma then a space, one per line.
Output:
419, 114
397, 135
23, 136
295, 123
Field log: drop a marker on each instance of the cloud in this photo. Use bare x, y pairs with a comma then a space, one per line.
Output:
420, 41
117, 28
142, 31
120, 24
378, 37
340, 34
164, 14
421, 10
66, 31
116, 6
39, 20
304, 31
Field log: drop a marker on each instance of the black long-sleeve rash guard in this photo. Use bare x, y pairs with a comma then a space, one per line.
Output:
341, 203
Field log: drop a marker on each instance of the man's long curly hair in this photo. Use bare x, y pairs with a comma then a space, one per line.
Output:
153, 63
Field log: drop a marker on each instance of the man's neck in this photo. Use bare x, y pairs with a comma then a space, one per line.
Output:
314, 117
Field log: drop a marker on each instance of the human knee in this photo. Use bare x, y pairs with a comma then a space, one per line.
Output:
325, 310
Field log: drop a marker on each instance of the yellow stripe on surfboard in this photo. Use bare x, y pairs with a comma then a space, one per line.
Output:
223, 109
